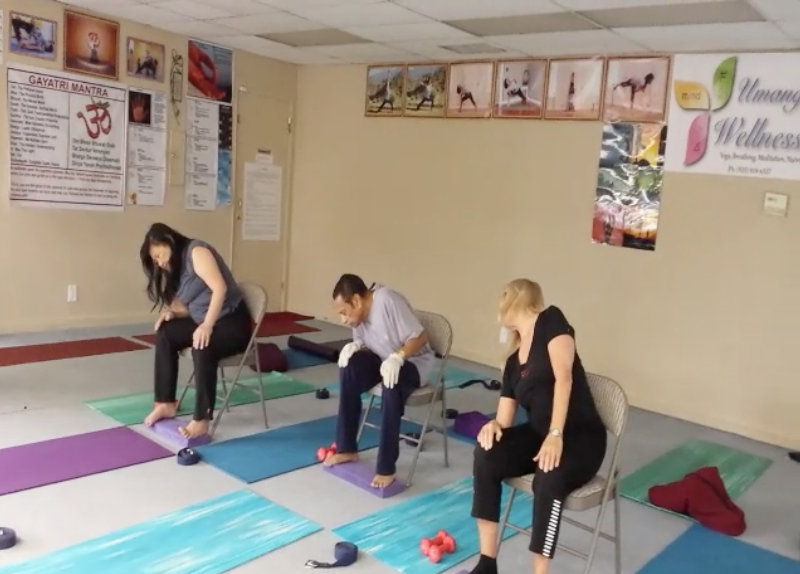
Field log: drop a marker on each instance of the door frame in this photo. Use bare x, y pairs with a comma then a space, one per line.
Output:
288, 186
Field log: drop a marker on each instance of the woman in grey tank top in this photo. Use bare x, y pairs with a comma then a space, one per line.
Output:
201, 307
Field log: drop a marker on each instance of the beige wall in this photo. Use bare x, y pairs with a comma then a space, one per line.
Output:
42, 251
447, 211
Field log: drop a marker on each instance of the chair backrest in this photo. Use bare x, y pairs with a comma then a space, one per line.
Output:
256, 299
438, 330
611, 401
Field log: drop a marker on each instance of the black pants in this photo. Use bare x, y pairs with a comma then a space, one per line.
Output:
361, 374
230, 336
581, 458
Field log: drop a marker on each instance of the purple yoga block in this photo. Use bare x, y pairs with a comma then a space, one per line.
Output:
360, 475
168, 429
469, 424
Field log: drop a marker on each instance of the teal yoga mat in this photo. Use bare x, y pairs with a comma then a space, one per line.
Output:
132, 409
392, 535
739, 470
211, 537
281, 450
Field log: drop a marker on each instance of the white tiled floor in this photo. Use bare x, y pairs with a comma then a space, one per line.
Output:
44, 400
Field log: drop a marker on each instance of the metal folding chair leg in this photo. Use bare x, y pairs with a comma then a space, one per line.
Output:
504, 518
364, 418
617, 533
185, 390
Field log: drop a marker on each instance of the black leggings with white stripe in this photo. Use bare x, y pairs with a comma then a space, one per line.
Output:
581, 459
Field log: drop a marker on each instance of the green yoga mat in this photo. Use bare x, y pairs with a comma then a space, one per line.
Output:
132, 409
739, 470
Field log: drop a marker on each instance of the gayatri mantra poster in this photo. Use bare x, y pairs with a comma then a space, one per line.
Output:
67, 139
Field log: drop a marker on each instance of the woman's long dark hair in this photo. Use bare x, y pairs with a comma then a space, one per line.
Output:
162, 284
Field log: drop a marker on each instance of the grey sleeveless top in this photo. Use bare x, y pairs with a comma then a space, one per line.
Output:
196, 295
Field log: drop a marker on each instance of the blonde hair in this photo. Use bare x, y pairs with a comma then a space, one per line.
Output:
519, 296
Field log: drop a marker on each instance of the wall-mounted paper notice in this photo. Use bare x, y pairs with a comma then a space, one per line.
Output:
261, 210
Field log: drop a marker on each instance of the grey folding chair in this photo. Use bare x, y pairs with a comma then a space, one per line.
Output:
256, 299
440, 336
612, 404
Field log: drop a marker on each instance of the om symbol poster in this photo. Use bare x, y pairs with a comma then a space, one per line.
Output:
67, 139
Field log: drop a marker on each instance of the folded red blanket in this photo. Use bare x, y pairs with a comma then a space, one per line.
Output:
701, 495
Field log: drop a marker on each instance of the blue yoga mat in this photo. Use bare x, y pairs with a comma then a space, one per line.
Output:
281, 450
392, 535
702, 551
300, 360
211, 537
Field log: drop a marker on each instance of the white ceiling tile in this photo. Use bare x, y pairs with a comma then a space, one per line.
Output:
407, 32
697, 38
791, 29
193, 9
249, 43
199, 28
288, 4
433, 50
144, 14
254, 24
778, 10
473, 9
568, 43
356, 15
239, 7
274, 50
272, 23
362, 52
584, 5
94, 4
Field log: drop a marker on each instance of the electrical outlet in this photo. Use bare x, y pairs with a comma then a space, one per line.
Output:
72, 293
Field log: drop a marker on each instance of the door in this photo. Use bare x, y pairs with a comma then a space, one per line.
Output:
263, 126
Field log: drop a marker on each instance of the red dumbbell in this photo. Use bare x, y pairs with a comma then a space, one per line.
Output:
323, 453
448, 544
429, 548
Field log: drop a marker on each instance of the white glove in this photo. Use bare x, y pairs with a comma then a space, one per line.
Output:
390, 370
347, 352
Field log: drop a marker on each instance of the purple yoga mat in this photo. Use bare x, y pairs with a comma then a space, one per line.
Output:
51, 461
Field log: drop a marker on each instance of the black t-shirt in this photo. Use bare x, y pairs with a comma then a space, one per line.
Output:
532, 386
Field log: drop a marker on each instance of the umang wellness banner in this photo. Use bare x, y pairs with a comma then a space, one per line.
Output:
735, 115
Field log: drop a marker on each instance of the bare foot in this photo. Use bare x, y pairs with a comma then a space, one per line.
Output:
161, 411
383, 480
340, 457
194, 429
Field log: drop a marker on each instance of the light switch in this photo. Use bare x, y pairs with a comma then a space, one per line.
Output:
776, 204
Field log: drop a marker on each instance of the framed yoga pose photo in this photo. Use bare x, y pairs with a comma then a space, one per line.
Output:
469, 92
574, 89
519, 89
636, 89
384, 94
425, 91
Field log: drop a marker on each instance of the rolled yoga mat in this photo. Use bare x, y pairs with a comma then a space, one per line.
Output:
211, 537
58, 460
738, 469
328, 351
406, 522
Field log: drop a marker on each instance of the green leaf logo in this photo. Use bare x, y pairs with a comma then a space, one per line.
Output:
722, 85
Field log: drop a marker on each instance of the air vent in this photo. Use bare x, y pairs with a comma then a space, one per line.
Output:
466, 49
